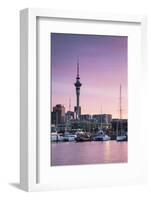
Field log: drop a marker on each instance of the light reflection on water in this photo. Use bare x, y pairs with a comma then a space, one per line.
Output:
72, 153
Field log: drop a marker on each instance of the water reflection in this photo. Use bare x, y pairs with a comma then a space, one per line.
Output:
72, 153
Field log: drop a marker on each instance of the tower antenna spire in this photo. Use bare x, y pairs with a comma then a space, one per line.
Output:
78, 67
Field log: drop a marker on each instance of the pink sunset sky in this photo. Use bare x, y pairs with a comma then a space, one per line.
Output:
103, 67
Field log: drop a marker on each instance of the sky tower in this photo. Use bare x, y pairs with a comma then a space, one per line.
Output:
77, 84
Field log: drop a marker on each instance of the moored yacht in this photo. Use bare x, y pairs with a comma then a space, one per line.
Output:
55, 137
101, 136
82, 136
121, 138
68, 137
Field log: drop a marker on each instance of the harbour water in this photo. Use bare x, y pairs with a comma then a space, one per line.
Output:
93, 152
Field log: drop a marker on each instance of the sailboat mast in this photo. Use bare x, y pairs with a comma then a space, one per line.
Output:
119, 124
120, 102
69, 104
120, 109
101, 117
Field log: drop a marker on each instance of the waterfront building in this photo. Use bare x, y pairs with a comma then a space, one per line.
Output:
86, 126
53, 118
124, 123
107, 118
103, 118
61, 128
69, 115
58, 114
77, 108
85, 117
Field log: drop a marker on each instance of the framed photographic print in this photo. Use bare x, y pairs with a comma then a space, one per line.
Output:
82, 78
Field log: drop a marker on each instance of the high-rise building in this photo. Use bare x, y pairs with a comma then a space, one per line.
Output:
77, 84
58, 114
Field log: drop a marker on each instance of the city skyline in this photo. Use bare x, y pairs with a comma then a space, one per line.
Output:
103, 67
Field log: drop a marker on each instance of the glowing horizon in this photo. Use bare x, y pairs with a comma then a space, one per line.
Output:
103, 67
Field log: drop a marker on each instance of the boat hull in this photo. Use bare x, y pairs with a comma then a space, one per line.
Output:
121, 138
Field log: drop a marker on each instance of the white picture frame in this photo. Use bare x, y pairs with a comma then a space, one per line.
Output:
29, 139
